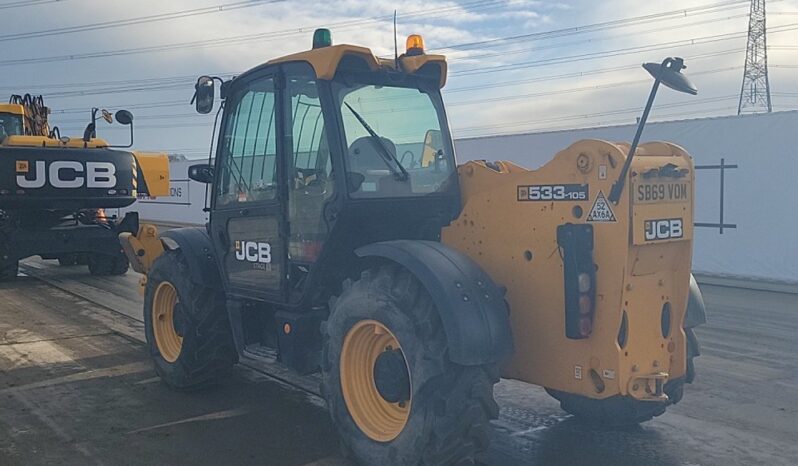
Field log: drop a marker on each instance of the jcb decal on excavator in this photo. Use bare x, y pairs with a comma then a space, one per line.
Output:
65, 174
255, 252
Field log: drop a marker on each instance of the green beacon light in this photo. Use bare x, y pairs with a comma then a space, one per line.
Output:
322, 38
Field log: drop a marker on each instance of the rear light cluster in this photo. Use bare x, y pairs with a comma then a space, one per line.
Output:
579, 274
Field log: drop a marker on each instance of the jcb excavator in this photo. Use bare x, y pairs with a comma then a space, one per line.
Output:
53, 190
344, 238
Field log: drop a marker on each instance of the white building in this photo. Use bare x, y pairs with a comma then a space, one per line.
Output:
760, 198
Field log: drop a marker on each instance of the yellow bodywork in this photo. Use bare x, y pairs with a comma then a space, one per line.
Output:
141, 250
154, 169
43, 141
516, 243
14, 109
325, 60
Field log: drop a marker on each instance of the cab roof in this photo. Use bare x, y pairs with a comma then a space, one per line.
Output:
326, 60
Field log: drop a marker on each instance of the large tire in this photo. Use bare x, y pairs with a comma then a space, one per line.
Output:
624, 411
103, 265
8, 270
446, 418
204, 350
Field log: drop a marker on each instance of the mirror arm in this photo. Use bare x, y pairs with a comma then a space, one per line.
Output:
617, 187
127, 146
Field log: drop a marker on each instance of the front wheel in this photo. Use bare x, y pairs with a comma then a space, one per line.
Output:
186, 326
392, 391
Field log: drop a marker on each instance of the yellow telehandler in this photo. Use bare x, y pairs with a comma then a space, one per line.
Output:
344, 238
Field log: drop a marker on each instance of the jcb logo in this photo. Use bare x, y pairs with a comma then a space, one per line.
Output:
66, 174
251, 251
672, 228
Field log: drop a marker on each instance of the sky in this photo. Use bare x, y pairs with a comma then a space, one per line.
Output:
514, 65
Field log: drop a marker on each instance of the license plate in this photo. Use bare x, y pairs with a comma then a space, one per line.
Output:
652, 192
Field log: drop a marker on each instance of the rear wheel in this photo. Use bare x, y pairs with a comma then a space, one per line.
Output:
102, 264
186, 326
8, 270
391, 390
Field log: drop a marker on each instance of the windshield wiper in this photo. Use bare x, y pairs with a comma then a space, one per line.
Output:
400, 175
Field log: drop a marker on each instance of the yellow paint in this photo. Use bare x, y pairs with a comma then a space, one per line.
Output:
43, 141
142, 248
154, 167
14, 109
380, 420
167, 340
496, 230
325, 61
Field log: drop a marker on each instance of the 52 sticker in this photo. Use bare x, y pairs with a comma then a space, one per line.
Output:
553, 192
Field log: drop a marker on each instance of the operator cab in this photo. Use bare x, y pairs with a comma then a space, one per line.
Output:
10, 122
329, 146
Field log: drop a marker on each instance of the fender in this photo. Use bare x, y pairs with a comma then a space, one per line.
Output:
198, 252
696, 313
471, 306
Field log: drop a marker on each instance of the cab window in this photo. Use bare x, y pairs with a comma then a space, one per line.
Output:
394, 138
248, 148
311, 182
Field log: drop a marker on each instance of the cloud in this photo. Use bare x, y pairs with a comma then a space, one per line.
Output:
536, 64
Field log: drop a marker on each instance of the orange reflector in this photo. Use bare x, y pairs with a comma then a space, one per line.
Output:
415, 45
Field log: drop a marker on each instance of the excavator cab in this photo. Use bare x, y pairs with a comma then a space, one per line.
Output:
10, 121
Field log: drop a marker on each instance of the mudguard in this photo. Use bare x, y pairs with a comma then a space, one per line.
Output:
471, 306
198, 252
696, 311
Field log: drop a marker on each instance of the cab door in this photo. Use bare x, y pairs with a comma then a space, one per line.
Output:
248, 221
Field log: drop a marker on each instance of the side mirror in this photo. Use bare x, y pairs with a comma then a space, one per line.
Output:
203, 94
123, 117
201, 173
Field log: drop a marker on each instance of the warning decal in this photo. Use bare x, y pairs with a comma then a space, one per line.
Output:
601, 211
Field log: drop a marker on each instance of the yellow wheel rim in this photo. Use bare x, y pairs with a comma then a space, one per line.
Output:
378, 418
167, 340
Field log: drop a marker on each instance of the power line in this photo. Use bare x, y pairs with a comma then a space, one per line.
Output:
234, 40
27, 3
620, 111
139, 20
644, 19
153, 85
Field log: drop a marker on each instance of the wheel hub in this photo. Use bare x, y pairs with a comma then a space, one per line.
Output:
167, 323
391, 377
375, 380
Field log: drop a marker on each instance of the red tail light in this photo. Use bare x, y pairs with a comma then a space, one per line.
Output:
579, 275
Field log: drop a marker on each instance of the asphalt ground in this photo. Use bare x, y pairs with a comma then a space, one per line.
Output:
77, 387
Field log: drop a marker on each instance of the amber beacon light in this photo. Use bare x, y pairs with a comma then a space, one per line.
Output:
415, 45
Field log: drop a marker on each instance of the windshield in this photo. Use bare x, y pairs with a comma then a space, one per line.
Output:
10, 124
391, 130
